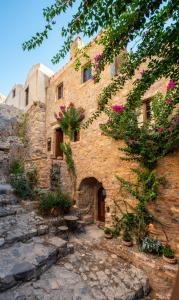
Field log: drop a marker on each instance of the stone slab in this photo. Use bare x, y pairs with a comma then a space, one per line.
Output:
26, 261
22, 227
5, 189
4, 212
86, 274
6, 199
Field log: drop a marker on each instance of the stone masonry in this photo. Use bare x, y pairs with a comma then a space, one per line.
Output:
96, 156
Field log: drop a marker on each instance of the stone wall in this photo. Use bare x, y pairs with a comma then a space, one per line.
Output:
96, 155
36, 143
11, 147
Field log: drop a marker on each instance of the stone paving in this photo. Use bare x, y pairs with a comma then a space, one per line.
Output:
88, 273
35, 264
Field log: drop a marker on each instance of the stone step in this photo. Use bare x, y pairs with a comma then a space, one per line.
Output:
8, 199
5, 189
6, 211
22, 227
26, 261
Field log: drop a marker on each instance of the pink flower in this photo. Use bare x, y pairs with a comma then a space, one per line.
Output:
82, 116
171, 85
169, 101
98, 57
132, 141
160, 129
118, 108
63, 107
142, 72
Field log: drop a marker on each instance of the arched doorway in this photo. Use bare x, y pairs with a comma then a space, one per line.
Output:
91, 198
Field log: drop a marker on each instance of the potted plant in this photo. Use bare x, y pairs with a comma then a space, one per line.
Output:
168, 255
127, 239
108, 233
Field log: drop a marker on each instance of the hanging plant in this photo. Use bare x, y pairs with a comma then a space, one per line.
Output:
69, 119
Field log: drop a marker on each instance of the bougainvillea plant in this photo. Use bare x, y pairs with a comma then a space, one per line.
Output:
146, 142
69, 119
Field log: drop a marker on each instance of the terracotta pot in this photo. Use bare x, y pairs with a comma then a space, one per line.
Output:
55, 212
108, 236
127, 243
170, 260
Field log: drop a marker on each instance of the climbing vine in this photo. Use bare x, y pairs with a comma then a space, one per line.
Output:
68, 154
146, 142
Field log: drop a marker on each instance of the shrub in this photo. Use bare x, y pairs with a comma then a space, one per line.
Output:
126, 236
168, 252
16, 167
22, 185
152, 246
55, 199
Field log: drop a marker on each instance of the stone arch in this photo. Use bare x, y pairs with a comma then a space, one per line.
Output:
91, 198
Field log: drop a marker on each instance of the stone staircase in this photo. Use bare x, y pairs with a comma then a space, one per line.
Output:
27, 248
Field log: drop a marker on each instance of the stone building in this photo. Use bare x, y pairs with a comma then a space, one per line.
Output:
96, 157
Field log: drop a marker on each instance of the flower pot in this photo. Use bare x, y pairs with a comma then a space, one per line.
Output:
108, 236
170, 260
55, 212
127, 243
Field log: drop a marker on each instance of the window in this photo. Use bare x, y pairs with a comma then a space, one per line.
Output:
27, 96
58, 142
147, 110
13, 93
87, 73
49, 144
60, 91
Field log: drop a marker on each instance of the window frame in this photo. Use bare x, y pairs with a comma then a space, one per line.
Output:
61, 88
147, 111
86, 67
27, 96
13, 93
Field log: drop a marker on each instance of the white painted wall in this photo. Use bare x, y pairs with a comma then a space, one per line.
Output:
37, 82
2, 98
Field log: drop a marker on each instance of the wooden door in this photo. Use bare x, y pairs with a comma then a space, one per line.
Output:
101, 204
59, 140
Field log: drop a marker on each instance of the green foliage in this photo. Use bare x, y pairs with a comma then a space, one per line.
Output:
151, 27
168, 252
152, 246
152, 140
111, 231
55, 199
24, 183
23, 128
68, 154
146, 186
16, 167
126, 236
70, 119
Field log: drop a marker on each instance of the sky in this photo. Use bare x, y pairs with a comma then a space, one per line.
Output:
19, 20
